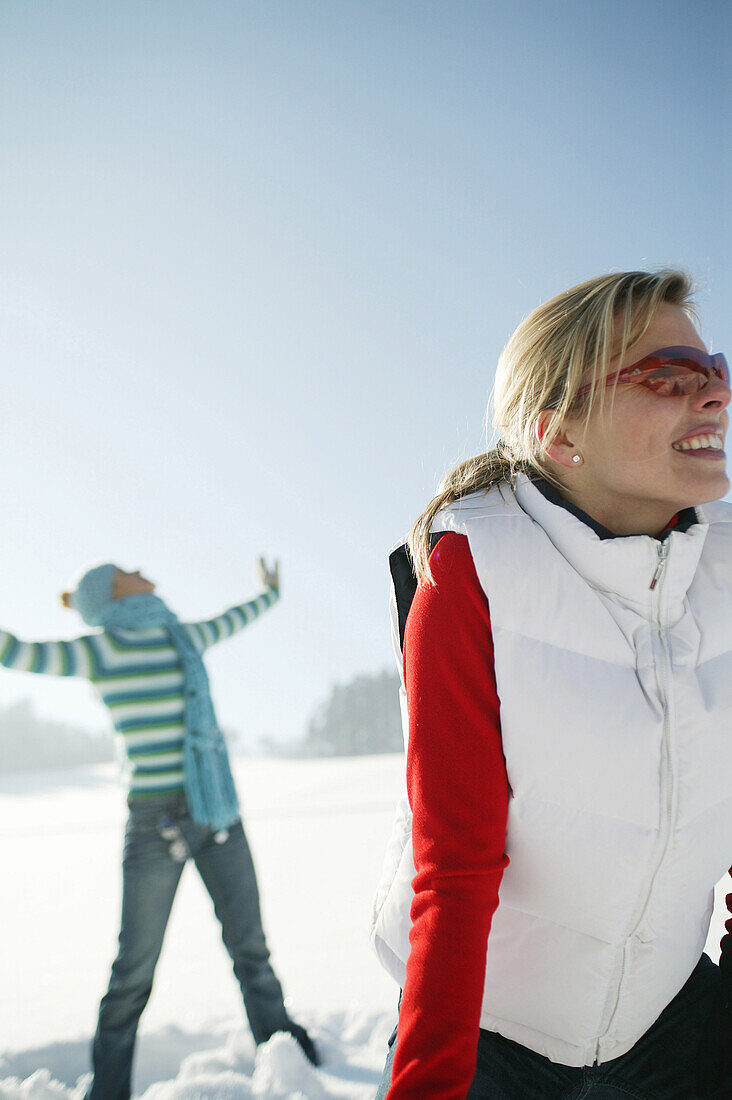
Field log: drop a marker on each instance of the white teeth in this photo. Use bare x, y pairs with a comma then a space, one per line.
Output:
699, 442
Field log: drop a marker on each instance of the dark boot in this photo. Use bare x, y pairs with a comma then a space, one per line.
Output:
298, 1032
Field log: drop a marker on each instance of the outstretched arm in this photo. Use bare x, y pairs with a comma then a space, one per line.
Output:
77, 657
209, 631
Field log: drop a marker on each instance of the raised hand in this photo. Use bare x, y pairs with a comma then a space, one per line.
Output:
270, 578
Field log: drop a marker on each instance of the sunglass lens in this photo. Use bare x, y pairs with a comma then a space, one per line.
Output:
720, 368
674, 380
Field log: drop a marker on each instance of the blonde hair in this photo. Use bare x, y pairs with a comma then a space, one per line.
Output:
561, 346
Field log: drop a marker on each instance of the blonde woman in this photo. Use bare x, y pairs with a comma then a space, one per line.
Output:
566, 644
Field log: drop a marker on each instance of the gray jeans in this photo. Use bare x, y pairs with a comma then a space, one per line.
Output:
160, 836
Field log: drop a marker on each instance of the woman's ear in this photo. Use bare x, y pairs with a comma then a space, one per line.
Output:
66, 599
541, 426
560, 448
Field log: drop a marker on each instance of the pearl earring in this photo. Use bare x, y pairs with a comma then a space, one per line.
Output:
576, 458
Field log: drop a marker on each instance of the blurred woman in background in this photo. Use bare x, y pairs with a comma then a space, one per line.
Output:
148, 669
563, 619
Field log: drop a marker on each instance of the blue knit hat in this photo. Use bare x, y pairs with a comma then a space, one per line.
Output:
94, 592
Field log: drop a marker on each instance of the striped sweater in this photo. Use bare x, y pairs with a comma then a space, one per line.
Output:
139, 676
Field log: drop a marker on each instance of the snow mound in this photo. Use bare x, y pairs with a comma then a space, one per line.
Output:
282, 1072
39, 1086
204, 1086
351, 1043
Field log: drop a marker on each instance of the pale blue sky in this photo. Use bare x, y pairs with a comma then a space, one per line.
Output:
258, 260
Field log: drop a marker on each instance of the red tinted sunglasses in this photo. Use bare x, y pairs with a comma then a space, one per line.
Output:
670, 372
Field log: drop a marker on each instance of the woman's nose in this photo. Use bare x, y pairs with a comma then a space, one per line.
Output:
716, 394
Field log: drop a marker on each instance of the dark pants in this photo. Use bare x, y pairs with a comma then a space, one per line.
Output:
159, 837
661, 1066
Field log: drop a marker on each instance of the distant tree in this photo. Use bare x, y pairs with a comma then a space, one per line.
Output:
29, 742
358, 718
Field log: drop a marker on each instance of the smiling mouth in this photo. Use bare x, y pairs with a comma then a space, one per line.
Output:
707, 444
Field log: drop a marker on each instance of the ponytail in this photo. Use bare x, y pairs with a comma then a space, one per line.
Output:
476, 474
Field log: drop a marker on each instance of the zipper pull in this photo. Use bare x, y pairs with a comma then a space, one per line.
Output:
662, 555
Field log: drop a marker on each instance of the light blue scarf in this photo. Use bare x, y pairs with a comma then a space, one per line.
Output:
209, 784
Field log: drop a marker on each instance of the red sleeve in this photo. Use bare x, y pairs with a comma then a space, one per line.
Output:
458, 791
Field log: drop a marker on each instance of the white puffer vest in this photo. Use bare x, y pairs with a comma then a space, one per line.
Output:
616, 719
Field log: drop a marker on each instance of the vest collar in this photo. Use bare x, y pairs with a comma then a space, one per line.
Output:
682, 521
624, 566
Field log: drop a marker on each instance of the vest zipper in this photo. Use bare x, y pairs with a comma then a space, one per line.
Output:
666, 798
662, 558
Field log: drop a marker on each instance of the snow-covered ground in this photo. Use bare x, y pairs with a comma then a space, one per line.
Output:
318, 830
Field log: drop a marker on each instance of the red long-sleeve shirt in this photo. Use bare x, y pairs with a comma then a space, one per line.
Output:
458, 791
